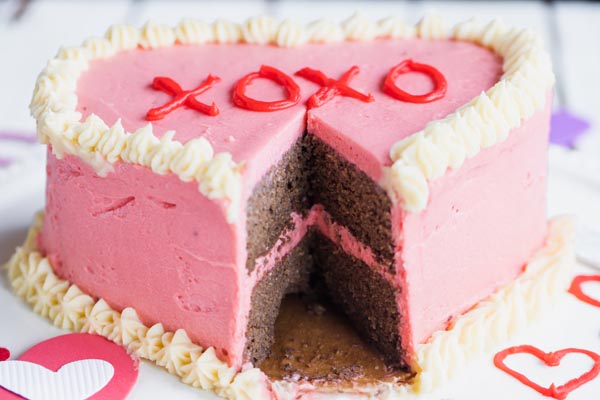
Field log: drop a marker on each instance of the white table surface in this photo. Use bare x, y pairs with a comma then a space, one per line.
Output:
571, 30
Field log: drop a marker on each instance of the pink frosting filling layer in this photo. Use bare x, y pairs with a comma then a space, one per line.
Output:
319, 219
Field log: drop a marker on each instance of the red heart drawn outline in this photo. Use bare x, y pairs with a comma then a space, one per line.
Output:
61, 350
551, 359
577, 291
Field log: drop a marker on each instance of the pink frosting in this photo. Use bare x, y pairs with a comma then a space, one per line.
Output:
483, 222
137, 239
155, 243
363, 132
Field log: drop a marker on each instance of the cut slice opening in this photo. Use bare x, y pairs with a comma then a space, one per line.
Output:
315, 342
324, 228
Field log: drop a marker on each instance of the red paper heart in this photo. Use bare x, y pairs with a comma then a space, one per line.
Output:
4, 354
59, 351
577, 291
552, 359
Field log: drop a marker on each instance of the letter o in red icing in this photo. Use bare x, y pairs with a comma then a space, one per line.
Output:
439, 81
241, 100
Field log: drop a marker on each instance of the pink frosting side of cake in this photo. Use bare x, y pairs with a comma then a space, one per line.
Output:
482, 223
363, 132
153, 242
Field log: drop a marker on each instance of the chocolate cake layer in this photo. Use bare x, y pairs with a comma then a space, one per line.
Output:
290, 276
365, 296
311, 173
281, 191
353, 199
317, 265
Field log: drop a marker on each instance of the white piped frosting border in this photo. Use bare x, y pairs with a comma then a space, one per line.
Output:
473, 334
417, 160
483, 122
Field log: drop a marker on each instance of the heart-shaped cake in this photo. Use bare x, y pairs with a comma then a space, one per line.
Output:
199, 175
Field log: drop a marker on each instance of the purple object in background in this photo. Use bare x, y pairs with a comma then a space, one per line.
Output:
24, 137
5, 162
566, 128
13, 136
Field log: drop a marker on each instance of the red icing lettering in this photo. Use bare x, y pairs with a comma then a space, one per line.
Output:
552, 359
577, 291
331, 87
182, 97
439, 81
243, 101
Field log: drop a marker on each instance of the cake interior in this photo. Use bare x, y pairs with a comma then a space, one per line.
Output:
315, 341
362, 306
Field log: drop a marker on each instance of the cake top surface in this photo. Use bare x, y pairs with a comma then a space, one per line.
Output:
101, 120
120, 87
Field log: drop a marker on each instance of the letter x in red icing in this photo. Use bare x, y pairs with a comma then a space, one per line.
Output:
182, 97
332, 87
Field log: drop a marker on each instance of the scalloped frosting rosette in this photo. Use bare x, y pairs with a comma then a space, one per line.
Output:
546, 278
417, 160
